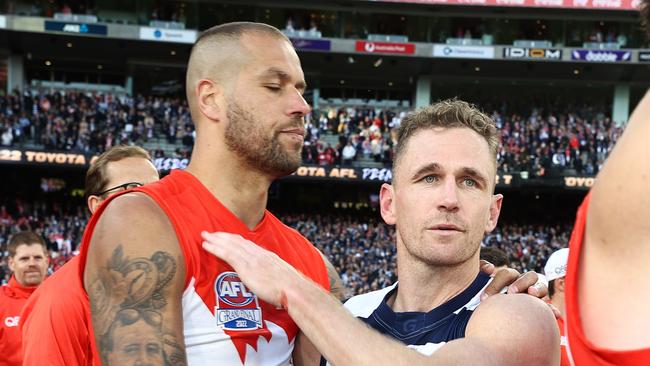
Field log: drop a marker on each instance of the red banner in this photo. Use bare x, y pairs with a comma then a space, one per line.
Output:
385, 47
562, 4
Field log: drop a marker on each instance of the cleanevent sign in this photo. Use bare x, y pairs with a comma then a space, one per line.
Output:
601, 55
484, 52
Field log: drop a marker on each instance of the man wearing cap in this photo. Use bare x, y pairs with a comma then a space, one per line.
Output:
555, 270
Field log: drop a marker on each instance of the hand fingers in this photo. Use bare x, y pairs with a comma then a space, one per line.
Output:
539, 289
502, 278
487, 267
522, 283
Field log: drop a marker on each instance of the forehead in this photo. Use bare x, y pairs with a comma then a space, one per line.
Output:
451, 148
133, 169
29, 249
268, 51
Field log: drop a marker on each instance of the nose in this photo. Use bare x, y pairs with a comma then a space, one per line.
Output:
298, 106
449, 196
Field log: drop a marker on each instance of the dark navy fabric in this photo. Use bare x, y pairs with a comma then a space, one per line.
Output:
436, 326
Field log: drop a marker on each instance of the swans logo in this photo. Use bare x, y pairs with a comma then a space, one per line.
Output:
237, 308
369, 47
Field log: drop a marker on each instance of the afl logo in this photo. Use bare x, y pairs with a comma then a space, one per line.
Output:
232, 291
236, 307
370, 47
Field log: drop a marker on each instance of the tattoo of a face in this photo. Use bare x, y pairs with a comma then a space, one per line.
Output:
127, 299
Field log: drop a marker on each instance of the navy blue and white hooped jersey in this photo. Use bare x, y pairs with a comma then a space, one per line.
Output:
425, 332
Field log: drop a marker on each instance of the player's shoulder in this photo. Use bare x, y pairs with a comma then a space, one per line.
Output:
132, 210
365, 304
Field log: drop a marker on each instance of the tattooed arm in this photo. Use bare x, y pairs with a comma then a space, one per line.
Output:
134, 277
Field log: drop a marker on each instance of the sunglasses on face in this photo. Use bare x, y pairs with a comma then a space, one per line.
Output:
121, 187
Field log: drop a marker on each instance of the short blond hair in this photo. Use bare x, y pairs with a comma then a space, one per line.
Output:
450, 113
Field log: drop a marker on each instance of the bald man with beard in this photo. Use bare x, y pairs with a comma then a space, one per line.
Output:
142, 250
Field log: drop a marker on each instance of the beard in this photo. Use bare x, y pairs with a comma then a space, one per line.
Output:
246, 137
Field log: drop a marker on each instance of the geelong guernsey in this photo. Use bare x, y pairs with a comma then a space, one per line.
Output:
425, 332
224, 323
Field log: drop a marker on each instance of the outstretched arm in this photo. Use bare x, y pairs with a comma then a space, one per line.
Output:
344, 340
134, 278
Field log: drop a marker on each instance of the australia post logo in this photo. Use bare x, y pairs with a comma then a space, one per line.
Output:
237, 308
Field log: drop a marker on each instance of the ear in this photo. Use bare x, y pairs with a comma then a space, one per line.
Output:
495, 211
11, 263
559, 285
207, 93
386, 203
93, 203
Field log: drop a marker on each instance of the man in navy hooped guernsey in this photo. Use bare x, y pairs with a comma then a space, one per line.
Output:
423, 331
442, 202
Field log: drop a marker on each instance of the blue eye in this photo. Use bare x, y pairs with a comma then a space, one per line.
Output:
469, 182
429, 179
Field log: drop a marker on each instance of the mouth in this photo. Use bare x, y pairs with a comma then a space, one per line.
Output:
446, 229
295, 133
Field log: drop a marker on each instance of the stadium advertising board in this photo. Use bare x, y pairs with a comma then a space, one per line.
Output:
307, 44
53, 158
78, 28
532, 53
44, 157
3, 21
483, 52
167, 35
601, 55
562, 4
385, 47
382, 175
579, 182
644, 56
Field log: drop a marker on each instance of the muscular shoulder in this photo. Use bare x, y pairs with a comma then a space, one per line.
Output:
132, 225
521, 329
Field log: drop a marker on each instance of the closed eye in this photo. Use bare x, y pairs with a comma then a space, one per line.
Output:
273, 87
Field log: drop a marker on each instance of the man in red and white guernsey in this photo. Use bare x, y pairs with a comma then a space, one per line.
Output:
607, 287
28, 261
157, 298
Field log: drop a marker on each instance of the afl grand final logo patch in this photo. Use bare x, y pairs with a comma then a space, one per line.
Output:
237, 308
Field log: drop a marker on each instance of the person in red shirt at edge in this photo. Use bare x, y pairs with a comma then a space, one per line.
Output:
55, 320
607, 289
555, 271
28, 260
152, 288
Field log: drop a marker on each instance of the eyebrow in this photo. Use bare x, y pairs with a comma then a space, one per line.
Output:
274, 72
431, 167
474, 173
464, 171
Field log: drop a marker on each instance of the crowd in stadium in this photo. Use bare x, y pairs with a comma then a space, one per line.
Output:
92, 122
542, 140
362, 248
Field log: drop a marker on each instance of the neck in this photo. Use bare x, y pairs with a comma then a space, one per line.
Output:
243, 190
424, 286
558, 301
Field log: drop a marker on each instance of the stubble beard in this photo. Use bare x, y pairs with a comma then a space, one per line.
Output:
245, 137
